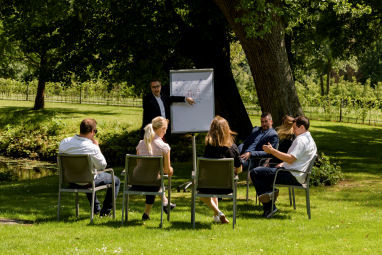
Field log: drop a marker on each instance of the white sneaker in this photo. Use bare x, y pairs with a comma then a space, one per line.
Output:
217, 219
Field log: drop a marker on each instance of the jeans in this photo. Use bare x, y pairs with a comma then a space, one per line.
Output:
103, 179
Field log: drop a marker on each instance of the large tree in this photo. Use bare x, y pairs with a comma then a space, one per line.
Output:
137, 40
42, 30
266, 53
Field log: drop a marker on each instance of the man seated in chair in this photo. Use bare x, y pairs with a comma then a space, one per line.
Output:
84, 143
252, 145
298, 157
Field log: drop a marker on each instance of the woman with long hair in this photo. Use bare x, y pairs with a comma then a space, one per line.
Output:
220, 144
286, 136
153, 144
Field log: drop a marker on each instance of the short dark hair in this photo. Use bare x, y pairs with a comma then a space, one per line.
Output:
87, 126
302, 120
266, 114
154, 80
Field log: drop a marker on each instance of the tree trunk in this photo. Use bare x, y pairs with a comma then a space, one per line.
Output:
322, 85
40, 95
269, 64
207, 43
328, 77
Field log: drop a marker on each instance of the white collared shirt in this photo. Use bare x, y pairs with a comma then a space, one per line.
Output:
161, 106
303, 149
83, 145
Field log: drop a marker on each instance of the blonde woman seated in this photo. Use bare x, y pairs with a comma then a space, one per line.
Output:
152, 144
286, 136
220, 144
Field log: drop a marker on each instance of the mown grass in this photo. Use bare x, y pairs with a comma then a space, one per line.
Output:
346, 218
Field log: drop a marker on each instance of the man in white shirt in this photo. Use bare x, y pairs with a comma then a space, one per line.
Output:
299, 155
84, 143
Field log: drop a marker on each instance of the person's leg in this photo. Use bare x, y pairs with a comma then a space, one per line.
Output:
103, 179
211, 204
262, 178
97, 206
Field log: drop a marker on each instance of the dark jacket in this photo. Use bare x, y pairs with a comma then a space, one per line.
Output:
255, 141
151, 107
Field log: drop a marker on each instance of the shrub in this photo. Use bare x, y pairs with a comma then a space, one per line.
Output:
325, 173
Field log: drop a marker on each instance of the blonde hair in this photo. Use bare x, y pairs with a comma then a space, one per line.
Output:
220, 134
156, 123
286, 129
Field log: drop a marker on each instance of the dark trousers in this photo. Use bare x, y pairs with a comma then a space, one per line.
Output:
102, 179
262, 178
150, 199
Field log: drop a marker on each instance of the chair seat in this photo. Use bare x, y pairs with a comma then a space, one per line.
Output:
85, 190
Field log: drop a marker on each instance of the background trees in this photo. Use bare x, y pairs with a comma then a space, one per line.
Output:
135, 40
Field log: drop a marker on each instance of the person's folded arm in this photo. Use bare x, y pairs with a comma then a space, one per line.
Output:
167, 164
289, 158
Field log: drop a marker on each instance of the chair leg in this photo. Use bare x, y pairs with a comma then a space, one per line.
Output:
193, 210
77, 205
92, 207
246, 196
58, 205
290, 196
307, 202
123, 206
294, 199
169, 198
127, 208
114, 207
234, 211
161, 211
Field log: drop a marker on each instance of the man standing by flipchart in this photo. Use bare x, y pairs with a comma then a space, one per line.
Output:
157, 103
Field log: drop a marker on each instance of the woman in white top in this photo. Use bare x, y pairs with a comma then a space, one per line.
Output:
152, 144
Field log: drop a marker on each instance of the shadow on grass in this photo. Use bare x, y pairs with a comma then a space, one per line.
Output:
359, 149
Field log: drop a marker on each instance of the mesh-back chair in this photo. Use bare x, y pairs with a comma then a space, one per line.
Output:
304, 185
79, 169
214, 174
144, 171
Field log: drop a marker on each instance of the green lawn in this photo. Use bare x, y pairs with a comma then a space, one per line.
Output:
346, 218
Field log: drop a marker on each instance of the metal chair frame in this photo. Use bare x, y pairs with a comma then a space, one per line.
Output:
233, 182
127, 185
90, 174
291, 188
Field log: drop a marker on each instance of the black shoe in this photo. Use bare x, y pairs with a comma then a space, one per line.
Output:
172, 206
105, 212
145, 217
270, 213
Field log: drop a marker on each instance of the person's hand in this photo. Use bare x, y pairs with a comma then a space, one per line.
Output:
267, 148
245, 156
94, 141
190, 100
171, 172
279, 165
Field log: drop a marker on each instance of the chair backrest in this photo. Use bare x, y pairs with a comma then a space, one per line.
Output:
75, 168
215, 173
310, 167
144, 170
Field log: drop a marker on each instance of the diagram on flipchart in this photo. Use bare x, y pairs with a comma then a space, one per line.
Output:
197, 84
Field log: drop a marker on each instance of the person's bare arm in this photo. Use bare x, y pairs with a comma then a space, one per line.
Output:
278, 154
167, 164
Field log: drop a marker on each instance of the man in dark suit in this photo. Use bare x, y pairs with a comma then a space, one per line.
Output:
252, 147
158, 104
